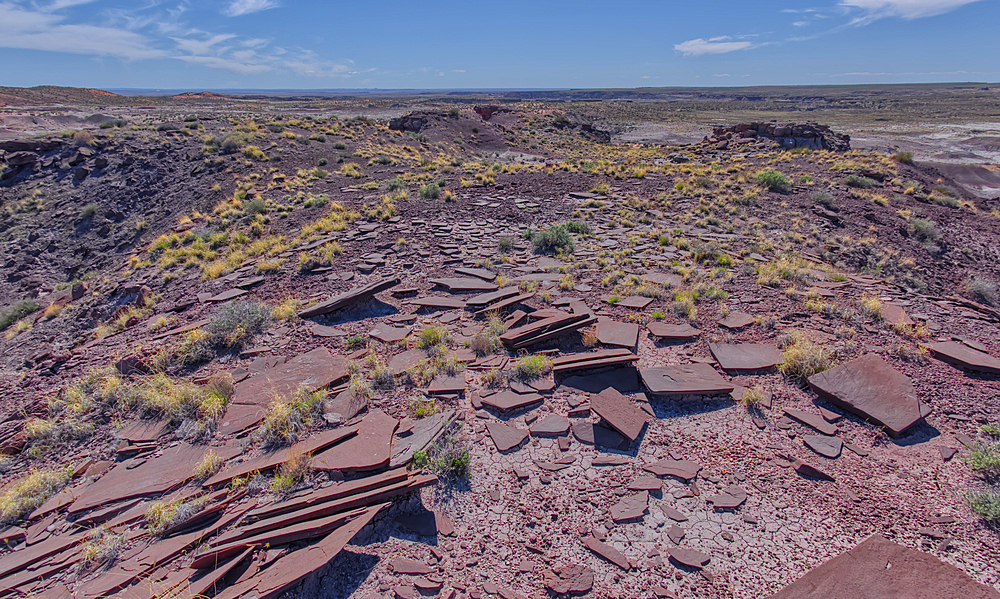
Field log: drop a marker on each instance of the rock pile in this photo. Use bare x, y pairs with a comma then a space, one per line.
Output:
806, 135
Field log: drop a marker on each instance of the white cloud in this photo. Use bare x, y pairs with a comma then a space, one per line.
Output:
905, 9
219, 62
800, 23
41, 30
238, 8
193, 46
697, 47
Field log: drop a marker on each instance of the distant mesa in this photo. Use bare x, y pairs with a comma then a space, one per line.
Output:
199, 96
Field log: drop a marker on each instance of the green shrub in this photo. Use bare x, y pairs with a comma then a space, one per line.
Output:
903, 157
925, 229
448, 457
773, 181
554, 240
986, 503
340, 145
578, 227
505, 245
317, 201
167, 127
236, 324
860, 182
532, 367
430, 192
394, 185
16, 312
255, 206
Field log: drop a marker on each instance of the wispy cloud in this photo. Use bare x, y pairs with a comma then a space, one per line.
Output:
42, 29
715, 45
238, 8
873, 10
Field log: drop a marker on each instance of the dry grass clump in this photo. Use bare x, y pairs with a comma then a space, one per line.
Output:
287, 418
292, 472
162, 516
531, 367
102, 547
209, 465
803, 358
487, 341
31, 492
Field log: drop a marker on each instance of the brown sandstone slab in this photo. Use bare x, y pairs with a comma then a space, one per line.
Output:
464, 284
479, 273
881, 569
829, 447
630, 508
736, 320
814, 420
963, 356
595, 434
438, 303
732, 497
689, 557
672, 332
684, 379
553, 424
485, 299
621, 334
871, 388
370, 449
607, 552
505, 437
156, 475
509, 400
684, 469
400, 363
346, 299
389, 334
746, 356
618, 411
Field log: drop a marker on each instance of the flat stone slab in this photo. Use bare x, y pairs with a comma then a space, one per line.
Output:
346, 299
631, 507
685, 469
732, 497
312, 370
645, 483
479, 273
746, 356
684, 379
829, 447
621, 334
811, 471
689, 557
963, 356
872, 389
737, 320
402, 362
156, 475
553, 424
370, 449
390, 334
464, 284
572, 579
619, 412
813, 420
634, 302
880, 569
607, 552
447, 384
509, 400
402, 565
505, 437
485, 299
895, 314
225, 296
672, 332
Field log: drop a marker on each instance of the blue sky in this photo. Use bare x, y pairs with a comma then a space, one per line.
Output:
274, 44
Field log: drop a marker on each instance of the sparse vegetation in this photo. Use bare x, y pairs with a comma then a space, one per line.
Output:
16, 312
448, 457
31, 491
803, 358
773, 181
554, 240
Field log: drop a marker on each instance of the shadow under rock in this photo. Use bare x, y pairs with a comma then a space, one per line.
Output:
340, 578
374, 308
666, 407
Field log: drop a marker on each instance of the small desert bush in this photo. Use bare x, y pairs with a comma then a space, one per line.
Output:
487, 341
986, 503
287, 309
578, 227
552, 241
209, 465
31, 492
447, 457
925, 230
803, 358
432, 338
859, 182
16, 312
505, 245
430, 192
773, 181
293, 471
532, 367
903, 157
871, 308
351, 170
102, 546
287, 418
235, 324
752, 396
985, 457
981, 289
